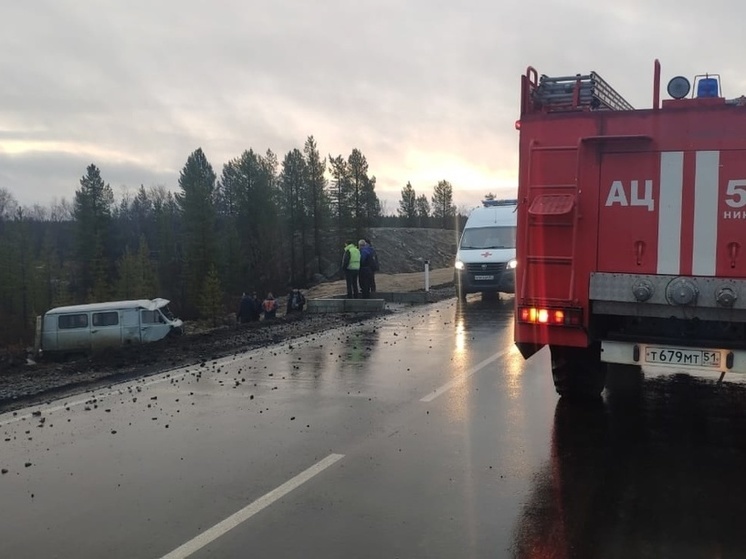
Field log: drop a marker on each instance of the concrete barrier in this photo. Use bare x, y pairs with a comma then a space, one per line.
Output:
345, 305
413, 297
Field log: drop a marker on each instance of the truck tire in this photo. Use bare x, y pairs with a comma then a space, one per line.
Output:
577, 372
624, 380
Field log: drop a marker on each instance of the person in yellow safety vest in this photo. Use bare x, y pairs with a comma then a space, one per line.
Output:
351, 267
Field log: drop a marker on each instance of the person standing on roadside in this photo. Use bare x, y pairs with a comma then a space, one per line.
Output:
270, 307
244, 310
351, 267
366, 272
296, 301
256, 308
373, 265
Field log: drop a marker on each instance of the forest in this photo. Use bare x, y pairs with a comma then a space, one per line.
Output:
263, 225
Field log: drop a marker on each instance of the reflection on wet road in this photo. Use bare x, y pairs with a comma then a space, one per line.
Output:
423, 434
657, 475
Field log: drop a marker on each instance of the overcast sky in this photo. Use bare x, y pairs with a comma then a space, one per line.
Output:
425, 89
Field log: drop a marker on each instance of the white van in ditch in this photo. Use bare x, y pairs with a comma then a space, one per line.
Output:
485, 260
94, 326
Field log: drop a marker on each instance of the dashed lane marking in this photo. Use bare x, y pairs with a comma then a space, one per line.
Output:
211, 534
460, 380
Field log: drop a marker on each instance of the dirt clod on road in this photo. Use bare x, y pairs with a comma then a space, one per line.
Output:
22, 385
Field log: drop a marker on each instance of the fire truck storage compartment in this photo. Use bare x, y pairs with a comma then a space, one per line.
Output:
628, 219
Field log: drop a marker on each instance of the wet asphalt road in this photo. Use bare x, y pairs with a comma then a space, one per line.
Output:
424, 434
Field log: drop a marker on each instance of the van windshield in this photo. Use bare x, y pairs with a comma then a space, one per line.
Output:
488, 237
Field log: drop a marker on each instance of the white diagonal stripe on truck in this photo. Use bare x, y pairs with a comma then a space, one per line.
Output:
704, 248
669, 212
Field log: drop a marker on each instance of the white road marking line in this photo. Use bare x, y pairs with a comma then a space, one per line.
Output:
211, 534
455, 382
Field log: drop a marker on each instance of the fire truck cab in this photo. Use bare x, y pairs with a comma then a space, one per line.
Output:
631, 239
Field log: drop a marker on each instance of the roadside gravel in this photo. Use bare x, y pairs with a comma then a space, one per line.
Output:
22, 385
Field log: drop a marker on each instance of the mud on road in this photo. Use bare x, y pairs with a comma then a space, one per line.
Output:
23, 384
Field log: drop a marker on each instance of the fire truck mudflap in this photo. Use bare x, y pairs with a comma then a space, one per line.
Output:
631, 236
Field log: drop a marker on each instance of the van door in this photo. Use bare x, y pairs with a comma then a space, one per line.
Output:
73, 332
131, 326
154, 326
106, 331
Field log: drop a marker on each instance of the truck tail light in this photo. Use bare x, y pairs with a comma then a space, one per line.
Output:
551, 316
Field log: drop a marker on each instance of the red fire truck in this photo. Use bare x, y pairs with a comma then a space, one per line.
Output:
631, 240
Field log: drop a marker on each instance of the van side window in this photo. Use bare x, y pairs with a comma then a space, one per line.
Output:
105, 318
151, 317
70, 321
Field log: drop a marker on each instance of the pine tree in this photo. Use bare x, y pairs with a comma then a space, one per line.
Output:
142, 214
197, 204
249, 182
8, 206
408, 206
316, 200
92, 213
443, 208
293, 180
166, 247
211, 299
340, 194
423, 210
127, 284
137, 277
357, 166
371, 204
14, 274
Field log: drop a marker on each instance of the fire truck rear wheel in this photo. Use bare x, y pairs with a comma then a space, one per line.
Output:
578, 372
624, 380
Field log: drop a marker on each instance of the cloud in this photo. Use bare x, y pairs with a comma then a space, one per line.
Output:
424, 88
40, 178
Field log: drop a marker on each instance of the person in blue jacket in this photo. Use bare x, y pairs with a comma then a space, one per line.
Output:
366, 269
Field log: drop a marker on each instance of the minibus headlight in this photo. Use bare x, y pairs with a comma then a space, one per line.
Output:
459, 265
512, 264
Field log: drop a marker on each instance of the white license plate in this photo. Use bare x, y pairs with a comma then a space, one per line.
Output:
682, 356
484, 278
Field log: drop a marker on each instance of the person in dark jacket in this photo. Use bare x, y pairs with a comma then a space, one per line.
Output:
256, 307
250, 309
373, 265
366, 270
296, 301
245, 309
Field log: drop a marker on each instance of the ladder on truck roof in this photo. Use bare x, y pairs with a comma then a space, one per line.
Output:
567, 93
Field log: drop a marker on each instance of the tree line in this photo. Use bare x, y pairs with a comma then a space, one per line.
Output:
262, 224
